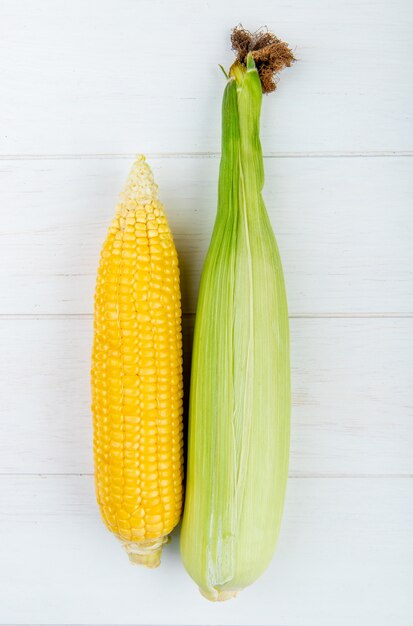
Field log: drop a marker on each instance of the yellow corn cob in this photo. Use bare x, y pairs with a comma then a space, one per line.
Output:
137, 374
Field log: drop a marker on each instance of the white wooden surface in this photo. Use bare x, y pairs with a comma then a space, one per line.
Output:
352, 401
342, 224
322, 566
84, 86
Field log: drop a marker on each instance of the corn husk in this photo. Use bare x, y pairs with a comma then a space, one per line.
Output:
239, 416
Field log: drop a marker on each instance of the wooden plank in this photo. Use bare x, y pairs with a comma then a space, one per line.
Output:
345, 556
344, 227
120, 76
352, 401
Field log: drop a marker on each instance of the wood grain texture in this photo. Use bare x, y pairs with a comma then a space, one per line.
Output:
352, 405
345, 556
87, 85
113, 76
344, 227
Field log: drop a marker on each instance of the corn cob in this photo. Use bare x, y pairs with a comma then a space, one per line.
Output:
240, 384
137, 374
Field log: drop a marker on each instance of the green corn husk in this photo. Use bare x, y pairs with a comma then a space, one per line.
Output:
240, 386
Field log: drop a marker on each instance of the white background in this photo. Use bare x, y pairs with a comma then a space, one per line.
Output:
85, 85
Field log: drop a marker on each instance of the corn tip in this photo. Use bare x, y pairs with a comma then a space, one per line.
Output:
140, 186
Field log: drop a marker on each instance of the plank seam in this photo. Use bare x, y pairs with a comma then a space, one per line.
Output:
292, 316
208, 155
294, 475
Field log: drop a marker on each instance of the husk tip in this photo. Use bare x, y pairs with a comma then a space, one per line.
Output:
217, 595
